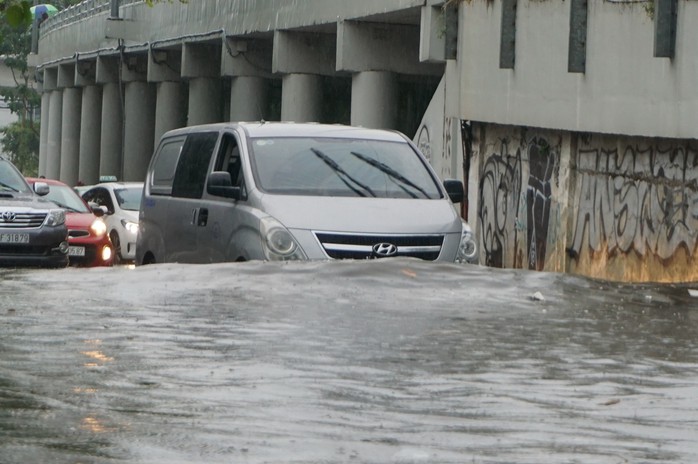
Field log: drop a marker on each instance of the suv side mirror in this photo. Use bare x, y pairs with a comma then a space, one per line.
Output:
454, 188
220, 184
41, 188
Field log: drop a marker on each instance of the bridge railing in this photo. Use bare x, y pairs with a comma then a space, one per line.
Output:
78, 12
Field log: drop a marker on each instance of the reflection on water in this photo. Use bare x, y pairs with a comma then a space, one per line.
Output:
390, 361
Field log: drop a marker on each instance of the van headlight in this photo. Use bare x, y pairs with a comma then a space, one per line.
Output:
278, 243
55, 217
467, 248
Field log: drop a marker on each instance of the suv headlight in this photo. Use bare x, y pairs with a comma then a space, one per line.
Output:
467, 248
278, 243
55, 217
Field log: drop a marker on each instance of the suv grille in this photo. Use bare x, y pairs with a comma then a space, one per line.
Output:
348, 246
22, 220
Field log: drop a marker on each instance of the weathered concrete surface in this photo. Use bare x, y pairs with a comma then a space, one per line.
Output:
169, 21
625, 89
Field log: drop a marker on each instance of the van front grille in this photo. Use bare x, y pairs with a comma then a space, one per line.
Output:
352, 246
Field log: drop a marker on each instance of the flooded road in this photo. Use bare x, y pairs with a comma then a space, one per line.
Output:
392, 361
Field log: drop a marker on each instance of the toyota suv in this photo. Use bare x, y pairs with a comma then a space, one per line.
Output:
288, 191
32, 229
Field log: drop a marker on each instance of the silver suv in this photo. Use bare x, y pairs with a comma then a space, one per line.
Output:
285, 191
32, 229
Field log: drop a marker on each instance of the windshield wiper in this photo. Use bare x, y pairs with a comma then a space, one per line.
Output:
393, 174
342, 174
8, 187
61, 205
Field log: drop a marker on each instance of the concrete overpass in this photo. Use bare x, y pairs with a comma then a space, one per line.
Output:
113, 85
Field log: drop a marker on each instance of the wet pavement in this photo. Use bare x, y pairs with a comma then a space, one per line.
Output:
391, 361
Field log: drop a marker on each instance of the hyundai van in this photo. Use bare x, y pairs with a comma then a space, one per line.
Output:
290, 191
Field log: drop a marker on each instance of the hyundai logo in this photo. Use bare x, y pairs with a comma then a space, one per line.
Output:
8, 216
384, 249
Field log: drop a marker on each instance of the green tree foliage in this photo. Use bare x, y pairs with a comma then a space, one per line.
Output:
20, 139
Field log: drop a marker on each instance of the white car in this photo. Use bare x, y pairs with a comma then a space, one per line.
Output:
121, 201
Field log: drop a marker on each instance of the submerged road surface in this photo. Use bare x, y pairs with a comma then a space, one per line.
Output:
391, 361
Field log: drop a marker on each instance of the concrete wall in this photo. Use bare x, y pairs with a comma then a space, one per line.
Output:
625, 89
617, 208
591, 173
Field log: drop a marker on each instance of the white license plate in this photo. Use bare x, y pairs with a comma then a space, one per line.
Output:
14, 238
76, 251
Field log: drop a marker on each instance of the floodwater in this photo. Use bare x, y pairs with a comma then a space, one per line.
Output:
388, 361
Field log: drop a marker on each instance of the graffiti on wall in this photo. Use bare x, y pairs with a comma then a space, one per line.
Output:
513, 217
636, 198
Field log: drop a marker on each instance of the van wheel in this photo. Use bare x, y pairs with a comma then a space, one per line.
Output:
117, 246
148, 259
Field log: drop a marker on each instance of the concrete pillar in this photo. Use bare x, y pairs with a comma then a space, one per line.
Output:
43, 138
249, 97
110, 143
301, 98
374, 99
90, 134
139, 129
169, 110
205, 101
53, 147
70, 135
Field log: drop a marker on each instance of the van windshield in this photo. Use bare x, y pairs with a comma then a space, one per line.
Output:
340, 167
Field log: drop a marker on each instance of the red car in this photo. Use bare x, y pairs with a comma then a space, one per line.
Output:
89, 244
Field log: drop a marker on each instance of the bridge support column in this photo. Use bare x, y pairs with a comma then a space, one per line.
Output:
205, 98
110, 143
248, 98
301, 98
53, 147
90, 132
374, 99
43, 140
70, 135
169, 111
139, 122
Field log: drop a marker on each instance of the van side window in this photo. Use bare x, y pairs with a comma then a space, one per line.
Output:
190, 175
228, 159
165, 165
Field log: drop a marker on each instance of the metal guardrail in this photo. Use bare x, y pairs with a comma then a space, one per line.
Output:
80, 11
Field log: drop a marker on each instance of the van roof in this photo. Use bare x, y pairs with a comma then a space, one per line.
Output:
292, 129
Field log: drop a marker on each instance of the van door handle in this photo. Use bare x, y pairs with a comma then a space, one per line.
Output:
203, 217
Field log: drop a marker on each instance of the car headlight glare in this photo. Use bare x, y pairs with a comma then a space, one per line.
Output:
106, 253
278, 243
131, 227
98, 227
55, 217
467, 248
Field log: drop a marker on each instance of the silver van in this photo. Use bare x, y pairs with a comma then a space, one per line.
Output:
289, 191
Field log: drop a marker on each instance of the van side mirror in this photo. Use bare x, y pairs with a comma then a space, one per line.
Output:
454, 188
221, 185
